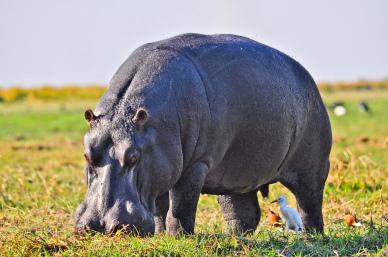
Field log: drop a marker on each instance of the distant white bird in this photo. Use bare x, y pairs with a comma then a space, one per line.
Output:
340, 110
291, 215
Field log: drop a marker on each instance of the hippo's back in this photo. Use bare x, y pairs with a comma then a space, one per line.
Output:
235, 67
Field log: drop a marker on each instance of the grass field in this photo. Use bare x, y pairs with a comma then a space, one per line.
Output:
41, 184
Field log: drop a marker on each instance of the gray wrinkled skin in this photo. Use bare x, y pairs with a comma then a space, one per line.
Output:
195, 114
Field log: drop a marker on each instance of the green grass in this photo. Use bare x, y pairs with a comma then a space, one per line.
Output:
41, 184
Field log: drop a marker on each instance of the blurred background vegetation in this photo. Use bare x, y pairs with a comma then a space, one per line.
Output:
51, 93
92, 92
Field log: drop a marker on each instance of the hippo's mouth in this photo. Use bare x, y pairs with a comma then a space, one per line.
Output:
116, 204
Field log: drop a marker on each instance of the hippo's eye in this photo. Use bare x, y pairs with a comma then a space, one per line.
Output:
131, 158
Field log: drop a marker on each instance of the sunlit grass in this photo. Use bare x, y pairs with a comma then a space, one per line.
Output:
41, 184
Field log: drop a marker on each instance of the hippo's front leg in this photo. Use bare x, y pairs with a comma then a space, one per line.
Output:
184, 199
161, 203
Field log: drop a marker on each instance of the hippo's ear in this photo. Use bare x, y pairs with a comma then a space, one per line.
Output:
141, 117
89, 115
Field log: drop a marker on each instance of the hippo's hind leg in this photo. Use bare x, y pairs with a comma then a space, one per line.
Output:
162, 203
241, 212
306, 171
307, 185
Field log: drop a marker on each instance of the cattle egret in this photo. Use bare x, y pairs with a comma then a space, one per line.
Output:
351, 221
291, 215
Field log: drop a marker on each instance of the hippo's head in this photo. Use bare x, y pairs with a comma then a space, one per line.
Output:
126, 169
134, 149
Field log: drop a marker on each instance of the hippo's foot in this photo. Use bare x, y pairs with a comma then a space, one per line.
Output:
241, 212
184, 199
308, 189
184, 225
161, 210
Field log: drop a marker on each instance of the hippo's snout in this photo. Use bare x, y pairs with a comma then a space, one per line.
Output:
86, 220
125, 217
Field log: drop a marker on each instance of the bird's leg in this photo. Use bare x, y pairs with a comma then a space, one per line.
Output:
296, 231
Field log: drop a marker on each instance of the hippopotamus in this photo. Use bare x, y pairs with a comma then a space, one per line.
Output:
212, 114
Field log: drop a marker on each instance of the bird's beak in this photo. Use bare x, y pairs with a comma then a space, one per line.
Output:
274, 201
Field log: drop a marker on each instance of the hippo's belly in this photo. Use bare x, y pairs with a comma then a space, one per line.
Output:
253, 159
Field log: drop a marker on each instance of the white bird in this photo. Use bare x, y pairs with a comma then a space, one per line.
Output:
339, 110
291, 215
